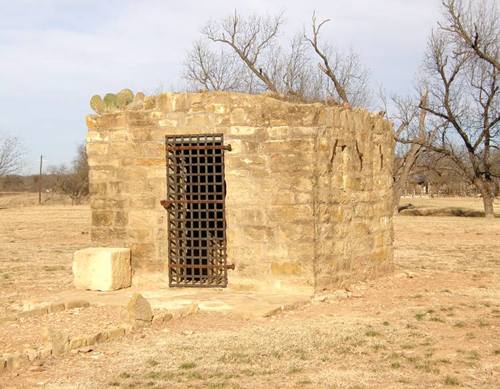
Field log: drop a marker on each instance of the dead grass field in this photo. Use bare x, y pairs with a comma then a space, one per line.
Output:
434, 323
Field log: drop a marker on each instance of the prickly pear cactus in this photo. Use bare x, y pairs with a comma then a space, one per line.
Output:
124, 98
97, 104
110, 102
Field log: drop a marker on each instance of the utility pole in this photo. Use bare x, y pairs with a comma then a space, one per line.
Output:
40, 182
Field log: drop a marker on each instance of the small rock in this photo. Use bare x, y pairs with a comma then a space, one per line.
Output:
340, 294
139, 309
187, 332
36, 369
58, 341
160, 319
77, 342
115, 333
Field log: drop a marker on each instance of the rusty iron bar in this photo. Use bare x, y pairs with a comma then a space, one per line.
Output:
187, 266
168, 203
208, 147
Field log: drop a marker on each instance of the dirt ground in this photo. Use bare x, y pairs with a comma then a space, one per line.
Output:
434, 323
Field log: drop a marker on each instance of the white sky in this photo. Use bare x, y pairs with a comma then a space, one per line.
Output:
55, 54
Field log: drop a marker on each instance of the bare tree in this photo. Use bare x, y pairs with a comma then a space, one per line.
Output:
11, 156
211, 70
464, 102
74, 181
250, 38
475, 27
410, 123
253, 59
347, 75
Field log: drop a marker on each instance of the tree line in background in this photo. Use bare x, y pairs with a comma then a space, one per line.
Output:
447, 132
70, 180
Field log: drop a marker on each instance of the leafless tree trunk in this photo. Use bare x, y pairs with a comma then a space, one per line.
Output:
10, 156
74, 182
408, 113
464, 98
346, 73
249, 38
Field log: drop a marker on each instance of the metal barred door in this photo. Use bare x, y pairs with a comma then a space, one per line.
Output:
196, 210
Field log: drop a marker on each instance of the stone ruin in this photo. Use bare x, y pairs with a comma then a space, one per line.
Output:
307, 187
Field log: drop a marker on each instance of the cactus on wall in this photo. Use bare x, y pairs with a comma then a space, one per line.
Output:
97, 104
125, 99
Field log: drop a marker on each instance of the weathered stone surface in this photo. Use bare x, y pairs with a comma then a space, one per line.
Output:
77, 342
56, 307
72, 304
102, 269
319, 175
58, 341
39, 311
139, 309
115, 333
160, 319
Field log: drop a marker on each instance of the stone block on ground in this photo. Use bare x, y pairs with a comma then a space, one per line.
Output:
102, 268
160, 319
139, 310
56, 307
72, 304
58, 341
115, 333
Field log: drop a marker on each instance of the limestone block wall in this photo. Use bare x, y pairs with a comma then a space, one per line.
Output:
308, 186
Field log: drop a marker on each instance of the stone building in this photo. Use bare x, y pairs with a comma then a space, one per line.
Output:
301, 197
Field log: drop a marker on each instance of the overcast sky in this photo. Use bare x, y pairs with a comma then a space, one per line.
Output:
55, 54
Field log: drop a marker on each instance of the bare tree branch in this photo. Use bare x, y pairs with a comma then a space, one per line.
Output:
475, 27
212, 71
325, 66
249, 38
10, 156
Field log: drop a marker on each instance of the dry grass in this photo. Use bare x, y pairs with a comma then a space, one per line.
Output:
437, 327
36, 247
30, 199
